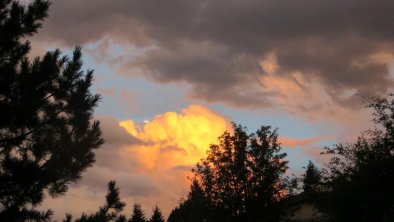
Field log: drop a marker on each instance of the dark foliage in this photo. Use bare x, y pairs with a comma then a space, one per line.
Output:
138, 214
157, 216
193, 209
312, 178
47, 132
240, 180
109, 212
358, 181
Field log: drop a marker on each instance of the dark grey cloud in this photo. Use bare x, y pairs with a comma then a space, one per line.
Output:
216, 46
113, 134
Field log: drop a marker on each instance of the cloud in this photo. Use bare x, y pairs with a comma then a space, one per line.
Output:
177, 139
232, 51
113, 134
150, 161
297, 143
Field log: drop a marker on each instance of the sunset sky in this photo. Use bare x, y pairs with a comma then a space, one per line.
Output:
174, 74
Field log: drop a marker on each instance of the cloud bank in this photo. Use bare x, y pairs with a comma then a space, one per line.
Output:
236, 52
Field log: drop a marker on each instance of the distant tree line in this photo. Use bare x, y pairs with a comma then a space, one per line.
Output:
48, 135
112, 209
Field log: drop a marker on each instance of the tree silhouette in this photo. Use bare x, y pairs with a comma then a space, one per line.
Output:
157, 216
47, 132
358, 181
312, 178
109, 212
241, 178
193, 209
138, 215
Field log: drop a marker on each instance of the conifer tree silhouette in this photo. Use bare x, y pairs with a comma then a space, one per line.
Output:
157, 216
47, 131
109, 212
138, 215
312, 178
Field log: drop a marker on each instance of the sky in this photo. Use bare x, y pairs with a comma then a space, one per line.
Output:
174, 74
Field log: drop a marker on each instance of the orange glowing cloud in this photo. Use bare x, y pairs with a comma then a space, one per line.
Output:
170, 145
179, 139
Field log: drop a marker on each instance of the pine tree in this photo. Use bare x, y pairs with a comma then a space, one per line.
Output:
109, 212
47, 131
312, 178
138, 215
157, 216
193, 209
